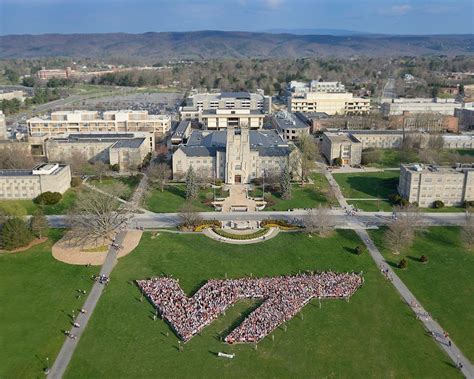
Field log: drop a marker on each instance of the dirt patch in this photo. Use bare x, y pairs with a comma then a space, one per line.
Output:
66, 252
35, 242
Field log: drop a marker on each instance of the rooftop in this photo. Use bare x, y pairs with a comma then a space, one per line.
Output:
134, 143
286, 120
341, 137
434, 169
206, 143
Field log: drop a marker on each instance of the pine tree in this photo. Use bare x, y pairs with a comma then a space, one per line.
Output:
15, 233
191, 184
285, 183
39, 224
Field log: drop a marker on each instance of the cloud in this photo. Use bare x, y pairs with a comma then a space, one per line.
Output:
397, 10
273, 4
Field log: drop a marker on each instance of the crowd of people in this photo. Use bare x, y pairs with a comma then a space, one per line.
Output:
283, 296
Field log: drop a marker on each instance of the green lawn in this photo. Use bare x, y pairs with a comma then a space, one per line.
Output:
37, 296
369, 184
174, 197
307, 196
28, 207
130, 181
375, 335
391, 158
444, 285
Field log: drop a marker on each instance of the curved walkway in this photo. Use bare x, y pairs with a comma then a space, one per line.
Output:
272, 232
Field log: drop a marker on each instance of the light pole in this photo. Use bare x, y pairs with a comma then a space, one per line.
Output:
263, 185
46, 370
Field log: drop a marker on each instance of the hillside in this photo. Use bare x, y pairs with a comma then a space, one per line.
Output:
217, 44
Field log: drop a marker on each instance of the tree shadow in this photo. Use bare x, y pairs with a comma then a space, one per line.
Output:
350, 250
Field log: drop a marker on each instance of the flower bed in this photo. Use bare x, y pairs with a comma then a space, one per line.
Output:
257, 234
279, 224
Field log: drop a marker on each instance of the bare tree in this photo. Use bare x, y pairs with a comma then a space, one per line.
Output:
402, 231
159, 174
78, 162
99, 169
319, 221
189, 216
96, 217
467, 231
435, 142
305, 160
15, 156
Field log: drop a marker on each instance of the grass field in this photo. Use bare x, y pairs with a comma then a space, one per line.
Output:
28, 207
375, 335
130, 181
37, 296
444, 284
307, 196
174, 197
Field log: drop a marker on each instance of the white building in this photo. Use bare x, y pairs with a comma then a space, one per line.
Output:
3, 127
217, 119
396, 107
197, 103
427, 184
10, 95
91, 121
329, 103
316, 86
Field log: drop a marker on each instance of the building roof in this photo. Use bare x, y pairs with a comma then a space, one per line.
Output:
434, 169
181, 129
26, 172
286, 120
205, 143
341, 137
133, 143
237, 112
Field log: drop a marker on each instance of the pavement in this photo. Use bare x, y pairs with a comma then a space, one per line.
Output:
430, 325
69, 346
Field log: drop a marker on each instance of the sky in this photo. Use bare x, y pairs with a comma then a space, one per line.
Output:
138, 16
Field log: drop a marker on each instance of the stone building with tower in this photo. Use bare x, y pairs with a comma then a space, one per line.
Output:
234, 155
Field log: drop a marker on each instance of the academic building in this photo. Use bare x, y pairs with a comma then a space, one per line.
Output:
330, 103
235, 155
396, 107
28, 184
425, 184
91, 121
290, 125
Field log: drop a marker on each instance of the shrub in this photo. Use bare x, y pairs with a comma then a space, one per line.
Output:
76, 181
424, 259
48, 198
404, 202
469, 204
241, 237
370, 155
403, 263
115, 167
280, 223
15, 234
359, 250
438, 204
206, 224
395, 198
338, 161
218, 182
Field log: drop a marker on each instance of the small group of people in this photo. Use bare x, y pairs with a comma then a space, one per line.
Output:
102, 279
283, 296
351, 211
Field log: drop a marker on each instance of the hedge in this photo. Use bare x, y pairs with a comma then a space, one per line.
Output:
48, 198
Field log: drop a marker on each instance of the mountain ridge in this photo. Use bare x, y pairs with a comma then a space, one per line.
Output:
210, 44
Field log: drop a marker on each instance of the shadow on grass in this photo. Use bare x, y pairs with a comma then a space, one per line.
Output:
373, 185
242, 316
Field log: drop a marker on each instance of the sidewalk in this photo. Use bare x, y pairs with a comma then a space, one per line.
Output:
431, 326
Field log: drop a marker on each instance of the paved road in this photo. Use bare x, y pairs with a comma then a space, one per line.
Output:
151, 220
389, 90
69, 346
431, 326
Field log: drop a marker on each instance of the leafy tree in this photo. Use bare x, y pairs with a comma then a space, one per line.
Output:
15, 234
308, 153
159, 174
192, 188
285, 183
11, 75
39, 224
28, 81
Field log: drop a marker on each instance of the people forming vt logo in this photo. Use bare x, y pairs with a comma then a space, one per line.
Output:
283, 297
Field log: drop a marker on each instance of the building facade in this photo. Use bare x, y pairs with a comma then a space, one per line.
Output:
217, 119
3, 127
330, 103
198, 102
28, 184
427, 184
128, 150
290, 126
62, 122
316, 86
10, 95
234, 155
343, 146
465, 118
396, 107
